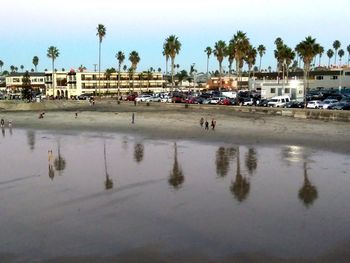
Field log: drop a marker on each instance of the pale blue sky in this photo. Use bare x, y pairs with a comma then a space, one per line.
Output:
29, 27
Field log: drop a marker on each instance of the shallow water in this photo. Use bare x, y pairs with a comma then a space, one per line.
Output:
101, 194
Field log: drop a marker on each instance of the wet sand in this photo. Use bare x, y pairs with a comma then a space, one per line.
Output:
170, 121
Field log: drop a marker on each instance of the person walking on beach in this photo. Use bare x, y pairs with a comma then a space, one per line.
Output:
213, 124
201, 122
206, 125
2, 123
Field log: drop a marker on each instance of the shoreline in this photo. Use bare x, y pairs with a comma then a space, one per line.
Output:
167, 121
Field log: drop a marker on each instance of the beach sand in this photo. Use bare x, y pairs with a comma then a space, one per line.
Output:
175, 121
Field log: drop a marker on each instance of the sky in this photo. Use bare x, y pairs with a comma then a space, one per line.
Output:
29, 27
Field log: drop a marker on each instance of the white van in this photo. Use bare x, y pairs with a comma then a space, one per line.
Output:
278, 101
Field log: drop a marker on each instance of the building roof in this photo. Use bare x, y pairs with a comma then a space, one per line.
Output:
31, 74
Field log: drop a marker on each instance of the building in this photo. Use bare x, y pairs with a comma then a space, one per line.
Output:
72, 84
272, 84
14, 82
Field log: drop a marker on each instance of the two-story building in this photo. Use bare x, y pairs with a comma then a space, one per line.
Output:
14, 82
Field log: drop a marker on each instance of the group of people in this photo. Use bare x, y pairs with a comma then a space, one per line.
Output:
2, 123
206, 123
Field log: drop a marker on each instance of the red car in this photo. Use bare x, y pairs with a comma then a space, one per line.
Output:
225, 102
131, 97
177, 99
191, 101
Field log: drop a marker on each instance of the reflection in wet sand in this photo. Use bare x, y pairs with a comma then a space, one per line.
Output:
138, 152
108, 181
240, 186
176, 178
308, 192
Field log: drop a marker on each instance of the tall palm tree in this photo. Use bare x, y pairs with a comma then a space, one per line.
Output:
241, 43
12, 68
120, 57
166, 53
1, 65
208, 51
53, 53
250, 58
336, 46
220, 53
348, 49
134, 59
22, 67
101, 33
320, 53
307, 49
330, 54
230, 53
35, 62
340, 54
261, 50
172, 45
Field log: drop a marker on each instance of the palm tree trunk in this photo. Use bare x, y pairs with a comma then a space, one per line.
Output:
172, 74
53, 78
166, 66
260, 64
208, 68
329, 62
220, 73
118, 81
99, 69
237, 73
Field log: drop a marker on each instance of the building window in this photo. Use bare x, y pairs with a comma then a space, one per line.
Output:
287, 90
82, 77
347, 73
319, 77
334, 77
94, 77
273, 90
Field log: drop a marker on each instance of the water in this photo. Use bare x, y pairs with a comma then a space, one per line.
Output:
99, 194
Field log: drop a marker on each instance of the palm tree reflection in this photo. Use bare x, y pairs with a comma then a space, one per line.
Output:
251, 160
138, 152
176, 178
59, 162
308, 192
108, 182
223, 156
241, 186
51, 169
31, 139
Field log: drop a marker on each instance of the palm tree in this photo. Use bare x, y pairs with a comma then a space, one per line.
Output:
330, 54
173, 46
12, 68
307, 49
134, 59
261, 50
53, 53
220, 53
347, 49
250, 58
340, 54
230, 53
208, 51
241, 44
120, 57
320, 53
101, 32
1, 65
336, 46
59, 162
35, 62
22, 67
81, 68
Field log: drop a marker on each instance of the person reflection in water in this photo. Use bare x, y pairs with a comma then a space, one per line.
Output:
51, 170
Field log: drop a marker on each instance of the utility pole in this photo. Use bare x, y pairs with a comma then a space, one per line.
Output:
95, 65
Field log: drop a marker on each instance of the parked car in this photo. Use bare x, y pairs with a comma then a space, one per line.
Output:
165, 99
328, 102
278, 101
154, 99
248, 102
85, 96
131, 97
339, 106
314, 104
178, 99
263, 103
215, 100
144, 97
294, 104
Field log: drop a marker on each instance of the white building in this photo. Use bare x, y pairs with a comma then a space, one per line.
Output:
269, 85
